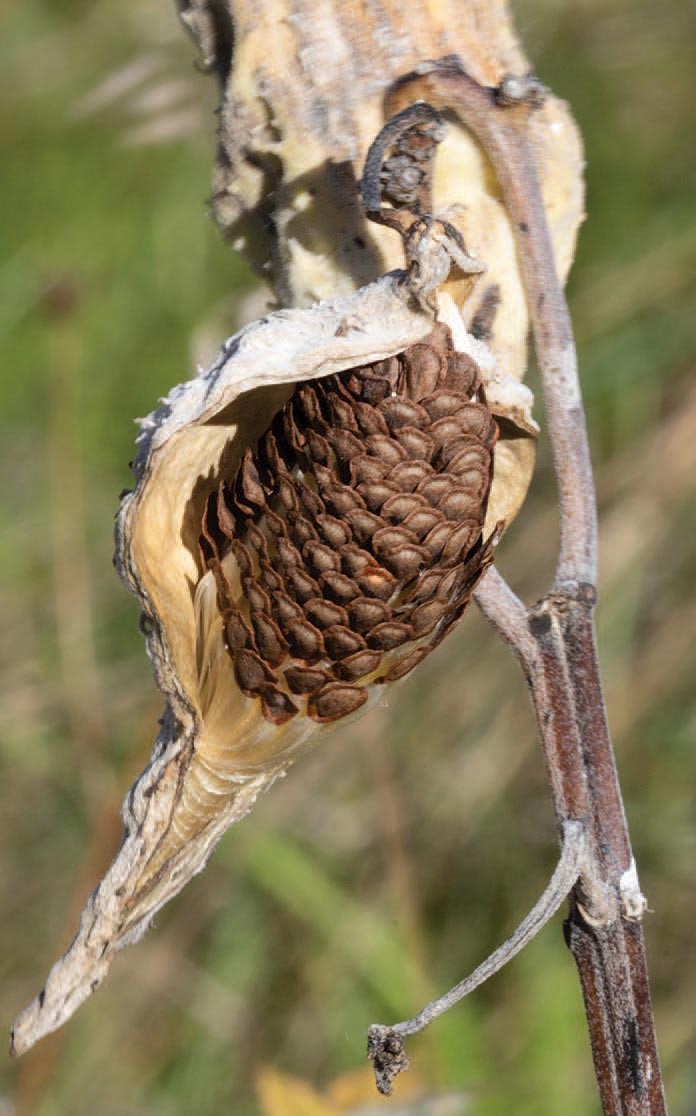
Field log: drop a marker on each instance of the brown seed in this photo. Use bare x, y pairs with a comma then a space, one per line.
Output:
344, 444
373, 389
320, 558
427, 586
422, 520
207, 547
358, 665
389, 368
426, 616
238, 634
340, 642
251, 672
257, 540
422, 369
462, 373
275, 524
340, 499
418, 445
389, 539
398, 507
243, 558
459, 503
389, 635
435, 540
335, 532
408, 475
474, 480
461, 540
249, 482
287, 555
450, 583
305, 641
338, 587
269, 453
354, 560
369, 419
445, 402
374, 581
308, 403
255, 595
277, 707
448, 427
407, 562
449, 450
301, 585
385, 449
461, 454
225, 515
363, 524
302, 532
342, 414
365, 612
477, 421
269, 579
335, 701
433, 488
269, 640
224, 589
399, 412
319, 450
286, 493
293, 435
475, 483
324, 614
367, 470
375, 494
306, 680
284, 609
311, 501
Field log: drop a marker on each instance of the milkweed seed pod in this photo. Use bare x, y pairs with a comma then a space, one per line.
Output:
309, 520
312, 513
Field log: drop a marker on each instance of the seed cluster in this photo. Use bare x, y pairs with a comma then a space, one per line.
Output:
356, 526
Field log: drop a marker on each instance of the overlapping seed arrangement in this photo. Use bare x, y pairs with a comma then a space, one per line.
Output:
356, 526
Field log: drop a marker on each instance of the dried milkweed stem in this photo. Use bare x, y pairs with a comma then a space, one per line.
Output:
501, 124
555, 640
385, 1044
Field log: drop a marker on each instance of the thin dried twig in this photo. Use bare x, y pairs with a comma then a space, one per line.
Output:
385, 1045
554, 640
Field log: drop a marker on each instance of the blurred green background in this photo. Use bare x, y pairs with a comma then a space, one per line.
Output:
393, 860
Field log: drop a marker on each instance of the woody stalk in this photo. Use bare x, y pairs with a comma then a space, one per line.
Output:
329, 494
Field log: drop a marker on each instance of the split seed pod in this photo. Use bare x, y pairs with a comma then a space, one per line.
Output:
309, 519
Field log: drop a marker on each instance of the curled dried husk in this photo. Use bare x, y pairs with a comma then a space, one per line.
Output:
215, 752
294, 132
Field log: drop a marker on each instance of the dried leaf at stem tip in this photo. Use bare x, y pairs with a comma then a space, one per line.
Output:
399, 168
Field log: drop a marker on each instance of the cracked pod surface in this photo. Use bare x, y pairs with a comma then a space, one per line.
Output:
252, 680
